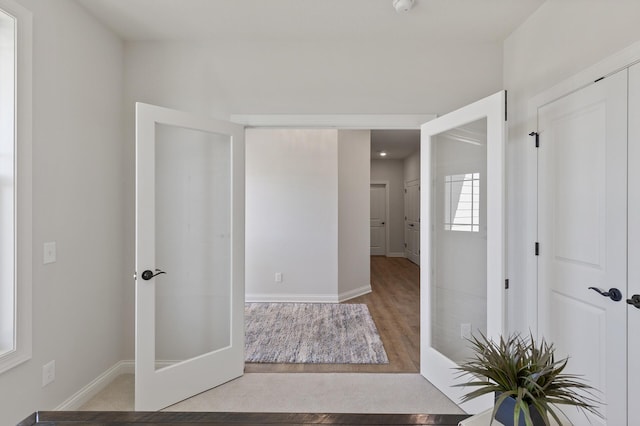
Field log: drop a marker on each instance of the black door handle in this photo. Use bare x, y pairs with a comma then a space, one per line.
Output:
147, 275
635, 300
613, 293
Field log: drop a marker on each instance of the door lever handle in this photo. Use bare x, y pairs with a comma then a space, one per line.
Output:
613, 293
635, 300
147, 275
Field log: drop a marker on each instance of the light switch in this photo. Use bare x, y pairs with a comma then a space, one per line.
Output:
49, 252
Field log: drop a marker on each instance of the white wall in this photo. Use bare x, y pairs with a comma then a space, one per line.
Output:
392, 171
559, 40
77, 202
292, 214
412, 167
354, 152
315, 76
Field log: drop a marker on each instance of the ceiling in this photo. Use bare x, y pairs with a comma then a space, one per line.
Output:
443, 20
398, 144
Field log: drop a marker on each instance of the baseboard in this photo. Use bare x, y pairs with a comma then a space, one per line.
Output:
292, 298
396, 254
89, 391
354, 293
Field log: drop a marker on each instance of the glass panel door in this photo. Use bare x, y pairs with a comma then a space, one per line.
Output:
189, 255
462, 264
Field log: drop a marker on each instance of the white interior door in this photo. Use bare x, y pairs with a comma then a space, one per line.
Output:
189, 224
633, 310
378, 202
582, 226
412, 221
462, 205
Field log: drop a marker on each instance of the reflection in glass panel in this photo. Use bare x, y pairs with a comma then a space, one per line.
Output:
459, 280
193, 243
462, 202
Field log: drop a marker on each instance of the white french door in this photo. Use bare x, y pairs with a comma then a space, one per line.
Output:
582, 231
189, 255
462, 235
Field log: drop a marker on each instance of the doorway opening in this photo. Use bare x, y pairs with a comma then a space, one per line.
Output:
291, 186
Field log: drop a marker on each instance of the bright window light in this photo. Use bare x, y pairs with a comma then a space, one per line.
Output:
462, 202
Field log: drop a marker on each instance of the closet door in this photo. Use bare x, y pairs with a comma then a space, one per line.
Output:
633, 311
582, 227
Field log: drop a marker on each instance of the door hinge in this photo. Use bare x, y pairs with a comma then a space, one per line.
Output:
506, 284
405, 190
537, 249
537, 135
405, 218
405, 245
506, 113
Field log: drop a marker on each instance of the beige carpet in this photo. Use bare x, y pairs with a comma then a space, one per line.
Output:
301, 393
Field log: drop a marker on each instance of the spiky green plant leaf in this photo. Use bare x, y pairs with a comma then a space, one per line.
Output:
519, 368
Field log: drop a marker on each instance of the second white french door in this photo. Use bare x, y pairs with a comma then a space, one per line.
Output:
462, 238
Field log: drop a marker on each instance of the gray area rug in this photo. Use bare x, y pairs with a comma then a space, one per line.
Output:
312, 333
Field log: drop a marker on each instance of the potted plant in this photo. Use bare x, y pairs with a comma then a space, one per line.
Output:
526, 380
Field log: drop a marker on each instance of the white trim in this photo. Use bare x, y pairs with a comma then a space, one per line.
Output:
81, 397
23, 186
396, 254
610, 65
337, 121
356, 292
606, 67
292, 298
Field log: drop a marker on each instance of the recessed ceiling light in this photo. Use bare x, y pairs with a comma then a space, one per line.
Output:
383, 154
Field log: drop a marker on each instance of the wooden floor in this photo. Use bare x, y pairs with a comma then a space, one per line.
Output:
394, 304
95, 418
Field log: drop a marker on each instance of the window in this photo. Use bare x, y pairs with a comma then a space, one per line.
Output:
15, 184
7, 88
462, 202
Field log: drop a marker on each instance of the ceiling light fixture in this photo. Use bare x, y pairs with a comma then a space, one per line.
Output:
403, 6
383, 154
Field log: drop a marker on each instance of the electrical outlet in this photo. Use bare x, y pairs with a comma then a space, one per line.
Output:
465, 331
48, 373
49, 252
278, 277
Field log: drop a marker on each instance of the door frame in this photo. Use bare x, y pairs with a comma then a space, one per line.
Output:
386, 212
